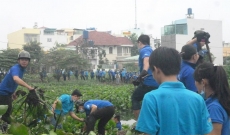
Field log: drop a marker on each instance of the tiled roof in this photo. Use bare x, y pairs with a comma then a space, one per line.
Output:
103, 38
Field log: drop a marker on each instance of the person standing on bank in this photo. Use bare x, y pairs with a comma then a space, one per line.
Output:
190, 57
145, 81
212, 83
11, 81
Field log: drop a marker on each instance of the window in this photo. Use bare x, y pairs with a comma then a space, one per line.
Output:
49, 39
110, 50
30, 37
126, 50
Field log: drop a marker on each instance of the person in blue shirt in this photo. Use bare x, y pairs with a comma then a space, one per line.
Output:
212, 83
92, 74
101, 110
76, 74
82, 75
117, 121
171, 109
103, 75
67, 107
100, 75
190, 57
11, 81
145, 81
123, 74
113, 75
86, 74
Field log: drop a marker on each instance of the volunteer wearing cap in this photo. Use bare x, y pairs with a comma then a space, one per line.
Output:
190, 57
11, 81
145, 81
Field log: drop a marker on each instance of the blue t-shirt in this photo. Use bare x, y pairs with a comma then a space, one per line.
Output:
86, 73
67, 104
173, 110
99, 103
218, 115
92, 73
113, 73
118, 125
186, 75
123, 73
100, 73
146, 52
8, 85
82, 73
103, 73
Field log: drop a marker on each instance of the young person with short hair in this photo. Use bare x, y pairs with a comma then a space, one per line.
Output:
171, 109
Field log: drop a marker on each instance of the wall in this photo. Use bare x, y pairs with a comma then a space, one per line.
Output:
215, 30
168, 41
61, 39
16, 39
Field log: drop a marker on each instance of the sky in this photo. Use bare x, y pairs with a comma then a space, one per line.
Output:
114, 15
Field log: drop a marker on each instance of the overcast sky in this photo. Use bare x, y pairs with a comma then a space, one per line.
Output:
115, 15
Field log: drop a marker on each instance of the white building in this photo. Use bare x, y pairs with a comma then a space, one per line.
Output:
50, 37
181, 31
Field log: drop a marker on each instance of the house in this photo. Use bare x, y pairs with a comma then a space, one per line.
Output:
17, 39
95, 41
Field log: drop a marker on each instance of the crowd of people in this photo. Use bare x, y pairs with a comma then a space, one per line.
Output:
115, 76
177, 93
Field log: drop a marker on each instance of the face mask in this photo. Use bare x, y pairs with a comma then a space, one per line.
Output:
81, 111
203, 93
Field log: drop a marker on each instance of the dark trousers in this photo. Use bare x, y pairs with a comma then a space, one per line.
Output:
6, 100
104, 114
139, 94
82, 77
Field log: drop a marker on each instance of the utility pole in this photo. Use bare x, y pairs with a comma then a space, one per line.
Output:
135, 14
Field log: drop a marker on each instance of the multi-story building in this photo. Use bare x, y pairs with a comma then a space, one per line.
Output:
115, 47
226, 49
181, 31
17, 39
50, 37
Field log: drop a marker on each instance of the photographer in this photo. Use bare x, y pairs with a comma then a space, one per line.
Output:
200, 39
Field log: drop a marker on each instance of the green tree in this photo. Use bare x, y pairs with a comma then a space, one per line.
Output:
8, 58
102, 58
64, 59
36, 54
134, 49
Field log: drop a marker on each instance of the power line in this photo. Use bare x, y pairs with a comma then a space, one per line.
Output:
54, 46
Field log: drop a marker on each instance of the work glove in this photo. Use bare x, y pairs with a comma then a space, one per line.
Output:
136, 82
140, 78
